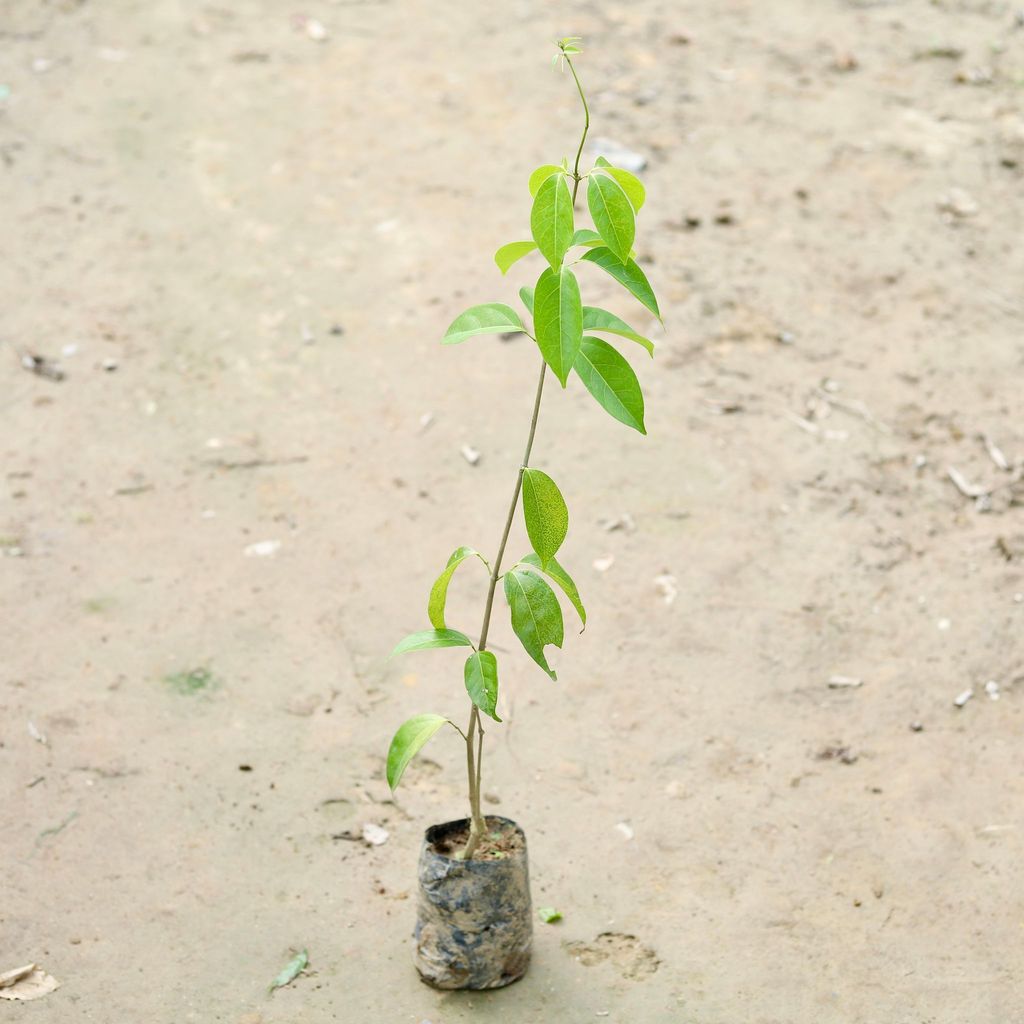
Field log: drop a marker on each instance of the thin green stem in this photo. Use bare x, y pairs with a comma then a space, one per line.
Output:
586, 128
474, 760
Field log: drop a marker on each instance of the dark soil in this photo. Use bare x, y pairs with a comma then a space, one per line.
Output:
500, 842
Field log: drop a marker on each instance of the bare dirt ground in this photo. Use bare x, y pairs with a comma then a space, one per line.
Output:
267, 233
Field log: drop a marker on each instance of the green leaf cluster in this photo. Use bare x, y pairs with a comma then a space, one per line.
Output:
561, 323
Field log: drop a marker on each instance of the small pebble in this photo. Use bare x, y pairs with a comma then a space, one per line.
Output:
316, 30
958, 203
263, 549
841, 682
374, 835
963, 698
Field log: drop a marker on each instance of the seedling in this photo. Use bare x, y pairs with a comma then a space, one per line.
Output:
564, 330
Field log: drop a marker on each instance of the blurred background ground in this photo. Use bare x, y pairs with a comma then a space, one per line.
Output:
239, 229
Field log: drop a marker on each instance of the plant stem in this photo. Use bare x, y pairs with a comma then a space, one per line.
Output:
586, 128
474, 759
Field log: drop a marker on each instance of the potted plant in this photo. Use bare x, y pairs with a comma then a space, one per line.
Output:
474, 923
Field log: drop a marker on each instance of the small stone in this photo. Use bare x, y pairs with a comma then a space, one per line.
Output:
958, 204
666, 584
917, 726
316, 30
374, 835
263, 549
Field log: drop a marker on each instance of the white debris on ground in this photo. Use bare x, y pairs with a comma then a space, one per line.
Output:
263, 549
374, 835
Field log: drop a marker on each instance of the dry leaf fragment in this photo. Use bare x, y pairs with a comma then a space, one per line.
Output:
996, 454
26, 983
8, 978
963, 485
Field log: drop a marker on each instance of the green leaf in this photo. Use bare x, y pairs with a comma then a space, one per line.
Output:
512, 253
613, 215
549, 915
407, 743
629, 275
595, 319
429, 639
551, 219
630, 184
291, 971
585, 236
564, 580
541, 175
611, 380
536, 614
547, 518
490, 318
558, 319
439, 591
482, 682
526, 295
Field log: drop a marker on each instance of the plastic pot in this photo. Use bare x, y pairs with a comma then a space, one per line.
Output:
474, 923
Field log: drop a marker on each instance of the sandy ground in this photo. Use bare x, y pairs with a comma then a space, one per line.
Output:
267, 234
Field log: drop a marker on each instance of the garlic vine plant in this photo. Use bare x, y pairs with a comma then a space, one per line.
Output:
562, 328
